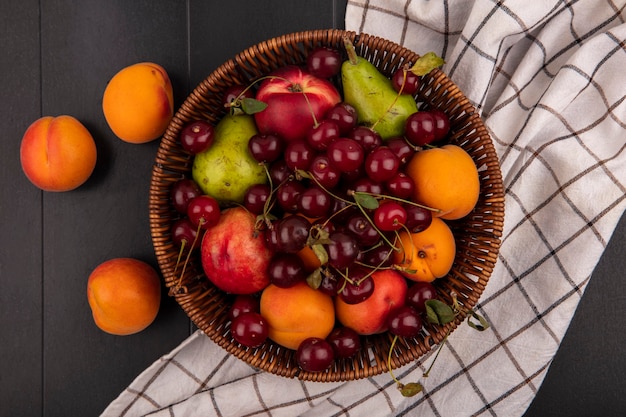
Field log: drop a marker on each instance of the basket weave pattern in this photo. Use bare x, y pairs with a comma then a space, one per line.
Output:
477, 235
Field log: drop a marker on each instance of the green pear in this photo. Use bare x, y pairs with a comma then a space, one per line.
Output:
226, 170
371, 93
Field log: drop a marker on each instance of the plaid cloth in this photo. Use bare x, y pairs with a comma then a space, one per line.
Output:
547, 78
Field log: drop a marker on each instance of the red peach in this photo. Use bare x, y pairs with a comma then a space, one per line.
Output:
370, 316
57, 153
138, 102
234, 254
124, 295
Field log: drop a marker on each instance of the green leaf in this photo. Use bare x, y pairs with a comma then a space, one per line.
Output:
303, 174
438, 312
411, 389
314, 279
252, 105
318, 236
320, 252
426, 63
366, 200
482, 324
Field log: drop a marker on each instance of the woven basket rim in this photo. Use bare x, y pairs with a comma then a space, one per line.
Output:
478, 234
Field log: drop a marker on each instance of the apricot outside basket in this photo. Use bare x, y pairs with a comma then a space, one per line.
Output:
478, 235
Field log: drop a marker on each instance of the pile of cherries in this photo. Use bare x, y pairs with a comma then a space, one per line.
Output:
342, 191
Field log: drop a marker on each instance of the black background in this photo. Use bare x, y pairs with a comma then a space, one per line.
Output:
56, 58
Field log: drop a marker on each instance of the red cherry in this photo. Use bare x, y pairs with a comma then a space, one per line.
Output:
185, 233
404, 321
344, 341
344, 115
390, 215
197, 136
204, 211
249, 329
419, 293
420, 128
244, 303
405, 81
182, 192
236, 92
324, 62
315, 354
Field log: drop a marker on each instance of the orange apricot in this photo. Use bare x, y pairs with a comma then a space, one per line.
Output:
138, 102
124, 295
426, 255
57, 153
296, 313
446, 179
309, 258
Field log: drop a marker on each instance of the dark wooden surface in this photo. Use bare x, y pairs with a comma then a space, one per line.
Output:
56, 58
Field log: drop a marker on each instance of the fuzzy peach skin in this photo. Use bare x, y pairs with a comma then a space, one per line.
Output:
426, 255
296, 313
57, 153
124, 295
138, 102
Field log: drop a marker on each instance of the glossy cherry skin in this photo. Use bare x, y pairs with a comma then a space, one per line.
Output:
356, 292
315, 355
419, 293
404, 321
344, 341
243, 303
249, 329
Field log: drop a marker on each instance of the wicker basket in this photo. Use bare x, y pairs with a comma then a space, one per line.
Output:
478, 234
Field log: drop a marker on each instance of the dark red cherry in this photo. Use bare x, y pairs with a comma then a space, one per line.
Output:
418, 293
243, 303
344, 341
315, 354
324, 62
404, 321
249, 329
197, 136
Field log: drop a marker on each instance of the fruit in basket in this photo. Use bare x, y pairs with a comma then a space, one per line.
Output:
446, 178
371, 93
197, 136
226, 169
315, 354
419, 293
370, 316
404, 321
426, 255
405, 81
234, 255
57, 153
297, 313
250, 329
124, 295
295, 100
324, 62
138, 102
344, 341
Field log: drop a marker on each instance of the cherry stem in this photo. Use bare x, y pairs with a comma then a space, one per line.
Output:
393, 343
393, 103
180, 255
308, 102
195, 240
427, 372
390, 197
